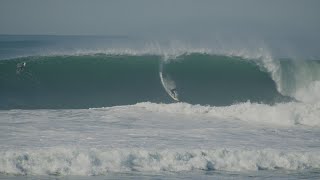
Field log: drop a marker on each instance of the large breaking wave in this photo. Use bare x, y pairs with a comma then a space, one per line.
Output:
108, 79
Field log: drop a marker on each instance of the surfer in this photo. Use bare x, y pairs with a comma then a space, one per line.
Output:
169, 85
20, 67
174, 92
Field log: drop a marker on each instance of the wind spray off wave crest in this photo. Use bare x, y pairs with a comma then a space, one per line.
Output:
301, 79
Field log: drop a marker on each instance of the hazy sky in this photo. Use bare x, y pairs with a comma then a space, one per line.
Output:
127, 17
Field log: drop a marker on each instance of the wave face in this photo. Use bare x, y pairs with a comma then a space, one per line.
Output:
106, 80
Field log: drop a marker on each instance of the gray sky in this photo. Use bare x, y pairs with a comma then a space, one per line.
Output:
127, 17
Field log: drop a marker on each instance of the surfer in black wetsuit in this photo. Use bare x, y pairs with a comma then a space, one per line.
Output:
20, 67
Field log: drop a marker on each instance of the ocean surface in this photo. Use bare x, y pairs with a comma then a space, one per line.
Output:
117, 107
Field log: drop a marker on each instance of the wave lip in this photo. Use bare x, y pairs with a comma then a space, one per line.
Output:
63, 161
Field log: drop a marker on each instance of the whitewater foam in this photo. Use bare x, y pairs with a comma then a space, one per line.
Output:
283, 114
301, 80
149, 137
64, 161
309, 93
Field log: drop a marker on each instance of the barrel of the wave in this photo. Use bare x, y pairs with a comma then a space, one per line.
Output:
218, 80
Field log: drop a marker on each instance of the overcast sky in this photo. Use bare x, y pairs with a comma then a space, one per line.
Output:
127, 17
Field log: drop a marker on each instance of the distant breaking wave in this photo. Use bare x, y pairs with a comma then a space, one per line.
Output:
121, 78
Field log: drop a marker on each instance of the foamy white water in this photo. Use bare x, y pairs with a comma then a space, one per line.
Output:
159, 138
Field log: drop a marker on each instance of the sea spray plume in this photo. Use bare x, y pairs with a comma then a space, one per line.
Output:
302, 79
309, 93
